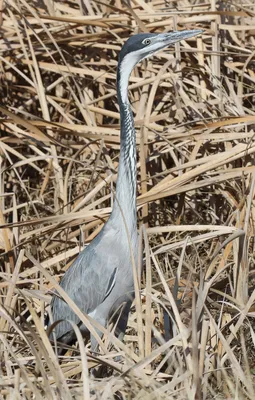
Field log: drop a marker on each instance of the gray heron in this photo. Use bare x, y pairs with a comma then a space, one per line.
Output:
100, 280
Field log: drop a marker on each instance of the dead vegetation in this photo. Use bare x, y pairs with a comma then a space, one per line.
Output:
192, 335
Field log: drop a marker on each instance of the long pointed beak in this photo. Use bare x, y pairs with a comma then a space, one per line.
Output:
177, 36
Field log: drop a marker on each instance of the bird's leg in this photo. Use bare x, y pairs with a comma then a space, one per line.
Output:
99, 371
94, 342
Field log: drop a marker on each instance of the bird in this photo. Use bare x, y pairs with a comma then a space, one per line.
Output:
100, 281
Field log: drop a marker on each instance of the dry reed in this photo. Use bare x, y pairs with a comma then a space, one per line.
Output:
193, 334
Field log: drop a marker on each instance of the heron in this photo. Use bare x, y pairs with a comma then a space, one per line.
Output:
100, 281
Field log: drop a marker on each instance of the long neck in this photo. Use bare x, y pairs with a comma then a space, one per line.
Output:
125, 202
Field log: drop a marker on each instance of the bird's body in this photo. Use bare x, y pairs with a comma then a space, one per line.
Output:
100, 280
101, 299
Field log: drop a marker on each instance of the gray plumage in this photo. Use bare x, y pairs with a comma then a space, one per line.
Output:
101, 279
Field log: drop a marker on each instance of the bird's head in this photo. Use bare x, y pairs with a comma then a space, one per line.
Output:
143, 45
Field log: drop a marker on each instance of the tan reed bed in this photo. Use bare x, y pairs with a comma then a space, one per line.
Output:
192, 335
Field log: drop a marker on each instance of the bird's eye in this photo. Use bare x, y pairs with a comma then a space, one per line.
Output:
146, 42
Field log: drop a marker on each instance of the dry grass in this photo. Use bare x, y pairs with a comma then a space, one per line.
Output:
193, 334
